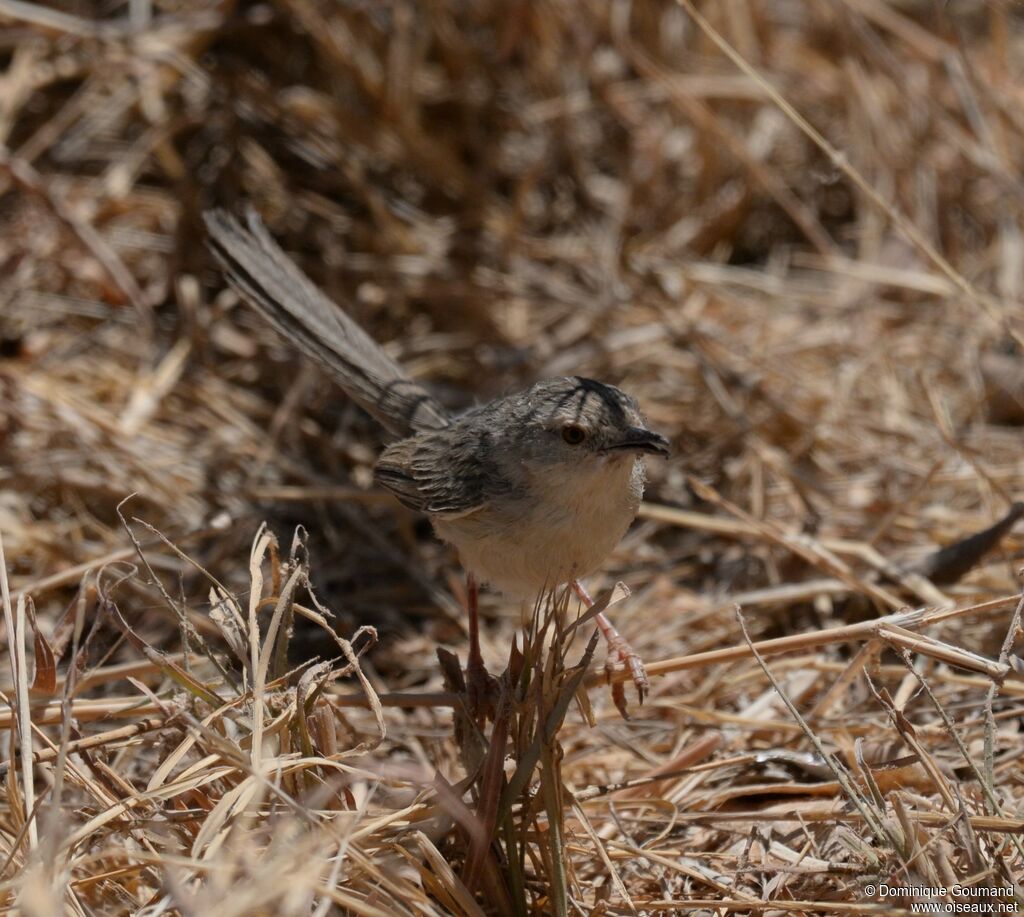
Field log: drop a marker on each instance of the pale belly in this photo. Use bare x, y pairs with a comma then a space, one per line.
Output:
551, 536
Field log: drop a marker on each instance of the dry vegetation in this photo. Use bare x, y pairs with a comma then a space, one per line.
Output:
226, 719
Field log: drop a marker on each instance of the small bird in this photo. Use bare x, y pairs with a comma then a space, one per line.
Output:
533, 490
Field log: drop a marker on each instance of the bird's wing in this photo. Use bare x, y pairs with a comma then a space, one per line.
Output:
447, 473
274, 285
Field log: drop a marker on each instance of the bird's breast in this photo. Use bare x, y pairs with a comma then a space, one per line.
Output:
557, 527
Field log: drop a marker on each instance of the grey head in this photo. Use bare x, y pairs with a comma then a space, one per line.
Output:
569, 429
570, 420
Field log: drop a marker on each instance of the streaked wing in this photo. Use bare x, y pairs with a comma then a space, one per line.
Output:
442, 473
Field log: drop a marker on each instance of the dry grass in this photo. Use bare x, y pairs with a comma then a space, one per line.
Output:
824, 314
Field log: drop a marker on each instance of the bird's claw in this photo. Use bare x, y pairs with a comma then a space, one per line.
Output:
621, 656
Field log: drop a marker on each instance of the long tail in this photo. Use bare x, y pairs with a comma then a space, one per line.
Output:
273, 284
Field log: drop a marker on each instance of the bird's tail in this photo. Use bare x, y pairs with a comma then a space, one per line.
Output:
274, 285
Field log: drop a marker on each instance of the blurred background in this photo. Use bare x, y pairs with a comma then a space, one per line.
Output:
501, 192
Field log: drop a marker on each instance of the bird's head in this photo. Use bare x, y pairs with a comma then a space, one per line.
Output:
579, 423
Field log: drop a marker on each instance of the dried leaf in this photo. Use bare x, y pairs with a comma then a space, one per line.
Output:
44, 680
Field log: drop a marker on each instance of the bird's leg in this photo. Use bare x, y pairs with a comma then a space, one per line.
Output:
476, 659
480, 684
620, 654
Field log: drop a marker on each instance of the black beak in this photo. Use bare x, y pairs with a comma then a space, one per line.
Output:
637, 439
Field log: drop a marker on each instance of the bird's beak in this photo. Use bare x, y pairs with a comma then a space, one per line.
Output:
637, 439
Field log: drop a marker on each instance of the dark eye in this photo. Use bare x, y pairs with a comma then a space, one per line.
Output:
573, 434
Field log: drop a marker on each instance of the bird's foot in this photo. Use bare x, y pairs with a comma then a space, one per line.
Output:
621, 656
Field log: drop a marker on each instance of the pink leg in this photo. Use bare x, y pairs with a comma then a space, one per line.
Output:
619, 653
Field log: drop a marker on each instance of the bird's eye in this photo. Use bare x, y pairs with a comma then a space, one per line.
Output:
573, 434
